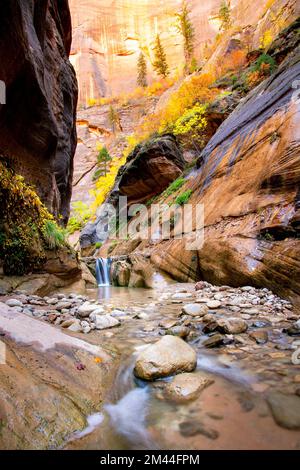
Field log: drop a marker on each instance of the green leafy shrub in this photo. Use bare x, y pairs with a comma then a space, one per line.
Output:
25, 224
174, 186
55, 236
80, 215
97, 174
184, 197
103, 158
98, 245
263, 67
263, 60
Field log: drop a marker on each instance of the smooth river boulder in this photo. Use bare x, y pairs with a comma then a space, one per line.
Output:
170, 355
186, 387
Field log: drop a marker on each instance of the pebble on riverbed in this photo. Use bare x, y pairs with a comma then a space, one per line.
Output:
207, 308
252, 329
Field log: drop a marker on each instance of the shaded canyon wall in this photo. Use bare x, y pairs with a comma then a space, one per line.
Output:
37, 123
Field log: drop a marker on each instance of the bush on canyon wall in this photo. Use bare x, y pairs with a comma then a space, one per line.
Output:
193, 93
263, 67
27, 229
156, 88
191, 125
105, 183
81, 214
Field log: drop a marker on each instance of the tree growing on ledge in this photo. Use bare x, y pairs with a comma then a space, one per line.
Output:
114, 119
160, 64
186, 29
103, 159
142, 71
225, 15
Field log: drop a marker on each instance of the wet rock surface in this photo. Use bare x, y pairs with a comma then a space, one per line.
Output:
168, 356
186, 387
285, 409
235, 372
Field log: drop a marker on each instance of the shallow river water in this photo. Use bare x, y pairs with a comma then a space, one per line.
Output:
232, 413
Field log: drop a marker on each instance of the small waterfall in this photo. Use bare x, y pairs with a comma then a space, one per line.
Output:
103, 271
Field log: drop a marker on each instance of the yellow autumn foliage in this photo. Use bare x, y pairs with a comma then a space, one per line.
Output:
104, 184
266, 39
193, 91
123, 99
27, 229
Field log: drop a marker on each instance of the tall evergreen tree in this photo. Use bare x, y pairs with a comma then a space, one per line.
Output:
225, 15
103, 159
186, 28
142, 71
160, 64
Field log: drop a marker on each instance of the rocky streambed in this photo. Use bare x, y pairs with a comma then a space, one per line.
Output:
181, 366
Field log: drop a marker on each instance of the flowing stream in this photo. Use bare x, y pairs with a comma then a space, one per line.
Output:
229, 414
103, 272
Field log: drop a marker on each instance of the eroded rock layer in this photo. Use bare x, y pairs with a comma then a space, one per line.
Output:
109, 34
249, 185
37, 123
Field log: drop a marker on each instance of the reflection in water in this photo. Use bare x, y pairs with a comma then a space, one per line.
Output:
104, 293
120, 294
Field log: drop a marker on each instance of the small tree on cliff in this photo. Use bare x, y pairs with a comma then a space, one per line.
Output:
160, 64
103, 159
225, 15
142, 71
114, 119
186, 28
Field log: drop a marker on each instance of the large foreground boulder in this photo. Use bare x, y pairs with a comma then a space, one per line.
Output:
170, 355
50, 382
149, 169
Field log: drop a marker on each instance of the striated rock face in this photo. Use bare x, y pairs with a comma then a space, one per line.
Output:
108, 35
37, 124
248, 182
249, 185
